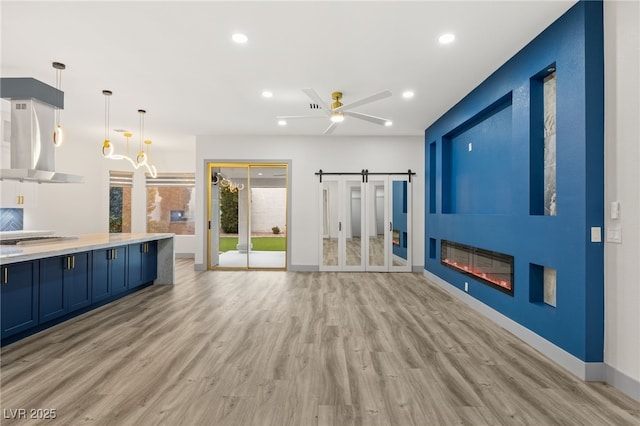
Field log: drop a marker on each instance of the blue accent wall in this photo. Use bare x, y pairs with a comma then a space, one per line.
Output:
487, 197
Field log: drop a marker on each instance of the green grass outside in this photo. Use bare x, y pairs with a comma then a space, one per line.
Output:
259, 243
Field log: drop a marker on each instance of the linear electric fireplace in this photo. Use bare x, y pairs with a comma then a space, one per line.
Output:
489, 267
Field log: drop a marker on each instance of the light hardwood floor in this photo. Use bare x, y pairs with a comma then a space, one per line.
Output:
286, 348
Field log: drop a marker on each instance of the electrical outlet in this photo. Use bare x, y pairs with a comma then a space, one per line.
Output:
466, 287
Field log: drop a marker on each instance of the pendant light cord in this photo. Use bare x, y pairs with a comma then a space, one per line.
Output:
141, 128
58, 86
106, 117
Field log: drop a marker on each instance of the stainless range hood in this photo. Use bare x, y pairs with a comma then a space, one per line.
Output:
33, 105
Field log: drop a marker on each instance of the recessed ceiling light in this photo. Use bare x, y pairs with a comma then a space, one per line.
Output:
407, 94
267, 94
446, 38
388, 123
282, 123
240, 38
259, 173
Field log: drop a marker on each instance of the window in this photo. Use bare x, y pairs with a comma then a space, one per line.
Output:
120, 184
171, 203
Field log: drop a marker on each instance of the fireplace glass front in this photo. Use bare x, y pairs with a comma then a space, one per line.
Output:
486, 266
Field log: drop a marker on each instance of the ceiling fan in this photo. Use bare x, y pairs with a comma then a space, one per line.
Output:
338, 111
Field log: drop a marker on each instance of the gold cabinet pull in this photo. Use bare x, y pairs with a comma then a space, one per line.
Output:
5, 278
73, 262
115, 253
68, 260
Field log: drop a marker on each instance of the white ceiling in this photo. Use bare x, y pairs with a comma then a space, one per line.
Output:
177, 60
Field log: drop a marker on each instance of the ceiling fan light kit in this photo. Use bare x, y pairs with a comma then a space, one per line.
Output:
337, 117
338, 111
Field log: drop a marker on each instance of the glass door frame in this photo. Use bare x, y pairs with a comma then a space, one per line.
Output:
210, 165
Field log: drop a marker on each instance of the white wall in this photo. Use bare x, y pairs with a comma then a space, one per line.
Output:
268, 209
622, 183
308, 154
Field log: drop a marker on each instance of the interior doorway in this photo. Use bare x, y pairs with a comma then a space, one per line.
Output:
248, 216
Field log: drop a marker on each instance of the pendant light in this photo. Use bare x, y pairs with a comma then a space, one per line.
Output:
142, 159
57, 133
107, 148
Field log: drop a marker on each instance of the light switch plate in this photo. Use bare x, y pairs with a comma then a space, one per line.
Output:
615, 210
596, 234
614, 235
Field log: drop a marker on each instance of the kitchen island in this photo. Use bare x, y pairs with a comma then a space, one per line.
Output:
87, 242
47, 282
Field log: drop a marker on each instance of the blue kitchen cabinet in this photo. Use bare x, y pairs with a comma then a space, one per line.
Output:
143, 263
65, 285
109, 272
19, 297
150, 263
78, 280
118, 273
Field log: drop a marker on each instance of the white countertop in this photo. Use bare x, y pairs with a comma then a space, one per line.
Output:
83, 242
6, 235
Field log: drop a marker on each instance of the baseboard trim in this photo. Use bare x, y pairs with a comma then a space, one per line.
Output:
587, 371
185, 256
303, 268
622, 382
417, 268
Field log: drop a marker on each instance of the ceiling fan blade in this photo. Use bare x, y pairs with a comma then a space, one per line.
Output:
367, 117
368, 99
287, 117
313, 95
331, 128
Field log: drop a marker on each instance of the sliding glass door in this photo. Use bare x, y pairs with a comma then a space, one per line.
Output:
247, 216
267, 220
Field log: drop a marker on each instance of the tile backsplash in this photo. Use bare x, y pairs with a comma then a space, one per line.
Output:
11, 219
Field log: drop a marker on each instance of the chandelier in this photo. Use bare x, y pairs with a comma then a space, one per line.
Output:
108, 150
226, 182
232, 186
